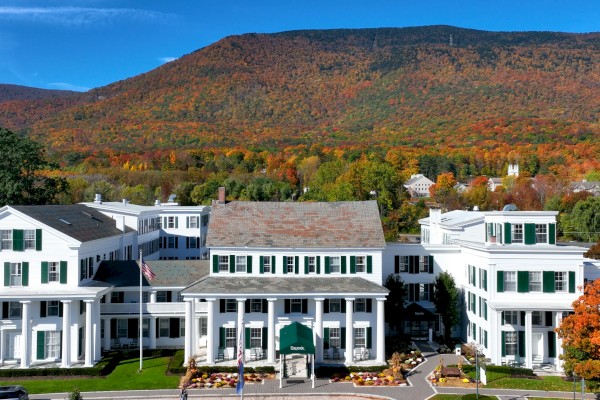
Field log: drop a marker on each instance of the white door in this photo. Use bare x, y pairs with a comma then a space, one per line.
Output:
537, 348
13, 346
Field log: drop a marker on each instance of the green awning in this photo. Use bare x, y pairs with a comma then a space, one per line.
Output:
296, 339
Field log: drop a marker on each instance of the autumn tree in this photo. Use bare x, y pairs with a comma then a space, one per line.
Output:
580, 334
445, 299
478, 193
444, 193
23, 167
593, 252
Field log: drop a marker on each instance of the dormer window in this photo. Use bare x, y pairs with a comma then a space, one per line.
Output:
517, 233
541, 233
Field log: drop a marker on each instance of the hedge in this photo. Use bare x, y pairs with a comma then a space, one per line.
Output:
329, 371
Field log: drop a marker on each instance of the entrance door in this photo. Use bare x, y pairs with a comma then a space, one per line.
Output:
537, 348
13, 346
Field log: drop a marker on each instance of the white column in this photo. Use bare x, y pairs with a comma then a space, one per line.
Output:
271, 331
492, 350
66, 334
210, 322
153, 296
152, 333
349, 332
319, 330
528, 339
557, 361
241, 308
107, 338
25, 335
188, 331
2, 341
97, 340
380, 357
89, 340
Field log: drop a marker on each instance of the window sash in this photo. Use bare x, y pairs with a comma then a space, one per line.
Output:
403, 263
361, 264
511, 343
511, 317
256, 305
510, 281
203, 326
517, 233
230, 337
163, 327
335, 265
6, 239
223, 263
360, 337
312, 264
423, 264
52, 339
541, 233
52, 308
53, 271
335, 305
560, 281
122, 328
16, 274
335, 337
255, 337
29, 238
240, 263
535, 281
360, 305
424, 291
230, 305
193, 222
14, 309
289, 264
296, 306
266, 260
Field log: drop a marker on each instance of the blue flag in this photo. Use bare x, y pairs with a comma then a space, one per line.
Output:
240, 360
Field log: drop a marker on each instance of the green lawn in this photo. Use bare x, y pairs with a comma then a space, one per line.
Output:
470, 396
124, 377
548, 383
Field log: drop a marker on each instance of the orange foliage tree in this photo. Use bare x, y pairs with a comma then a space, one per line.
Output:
580, 334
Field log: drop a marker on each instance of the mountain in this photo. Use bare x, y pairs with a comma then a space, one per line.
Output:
436, 86
16, 92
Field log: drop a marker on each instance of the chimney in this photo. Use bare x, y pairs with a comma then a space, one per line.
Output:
125, 202
435, 215
157, 203
221, 199
98, 198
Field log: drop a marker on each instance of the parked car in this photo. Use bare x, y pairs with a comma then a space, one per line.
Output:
15, 392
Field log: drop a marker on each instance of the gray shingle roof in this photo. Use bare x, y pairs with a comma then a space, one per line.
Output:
286, 287
352, 224
75, 220
169, 273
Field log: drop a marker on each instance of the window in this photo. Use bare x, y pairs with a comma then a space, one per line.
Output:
145, 327
266, 261
472, 275
255, 337
14, 310
335, 305
171, 242
29, 238
535, 281
16, 274
223, 263
52, 344
203, 326
560, 281
163, 327
360, 305
256, 305
289, 264
425, 235
52, 308
240, 263
335, 337
193, 242
122, 327
483, 279
536, 318
424, 264
116, 297
53, 271
205, 220
517, 233
6, 237
230, 305
424, 291
335, 265
510, 281
193, 222
511, 343
162, 296
511, 317
312, 264
360, 337
296, 306
403, 264
361, 264
541, 233
230, 339
171, 222
145, 297
181, 327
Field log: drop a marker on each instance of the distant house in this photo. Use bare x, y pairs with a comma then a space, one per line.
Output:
494, 183
584, 186
418, 185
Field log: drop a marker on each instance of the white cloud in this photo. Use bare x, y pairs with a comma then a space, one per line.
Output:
165, 60
78, 16
68, 86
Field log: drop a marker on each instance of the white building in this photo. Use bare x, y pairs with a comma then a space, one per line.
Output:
418, 185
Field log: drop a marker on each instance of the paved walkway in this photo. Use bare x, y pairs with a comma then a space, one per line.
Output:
419, 388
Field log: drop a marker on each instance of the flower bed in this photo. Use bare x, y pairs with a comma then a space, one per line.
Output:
370, 379
197, 379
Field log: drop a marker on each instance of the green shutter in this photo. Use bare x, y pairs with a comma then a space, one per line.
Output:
18, 242
318, 264
296, 265
273, 264
232, 264
215, 263
327, 271
487, 231
343, 259
6, 274
43, 308
521, 343
284, 266
551, 233
529, 233
305, 265
430, 264
25, 277
500, 281
343, 337
485, 312
548, 281
485, 339
571, 281
63, 272
369, 264
38, 239
352, 264
507, 233
551, 344
221, 337
246, 338
369, 338
484, 279
41, 345
249, 264
261, 268
325, 338
522, 281
265, 338
44, 271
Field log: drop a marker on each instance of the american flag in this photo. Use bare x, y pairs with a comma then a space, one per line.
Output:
147, 271
240, 359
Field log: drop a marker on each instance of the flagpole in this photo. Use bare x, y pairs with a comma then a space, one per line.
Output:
141, 325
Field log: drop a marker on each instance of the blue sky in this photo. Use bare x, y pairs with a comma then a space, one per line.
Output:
82, 44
